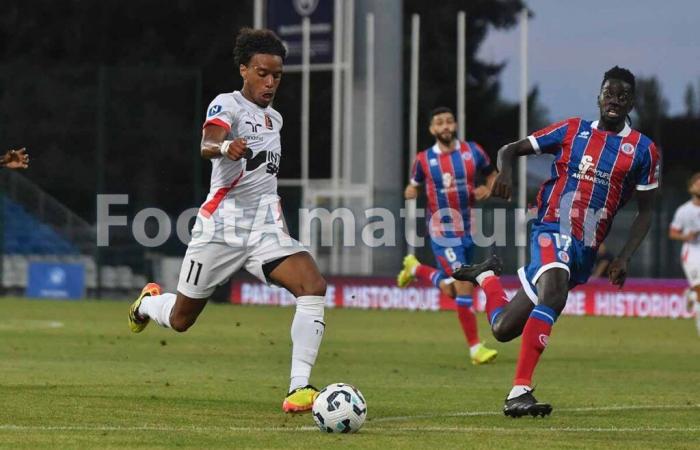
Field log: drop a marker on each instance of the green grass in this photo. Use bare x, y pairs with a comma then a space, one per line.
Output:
90, 383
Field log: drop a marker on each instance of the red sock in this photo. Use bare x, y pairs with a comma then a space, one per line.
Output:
426, 273
495, 297
534, 340
468, 321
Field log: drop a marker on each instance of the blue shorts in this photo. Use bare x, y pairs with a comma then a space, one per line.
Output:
549, 249
451, 258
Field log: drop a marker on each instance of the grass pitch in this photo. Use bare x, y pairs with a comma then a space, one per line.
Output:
73, 376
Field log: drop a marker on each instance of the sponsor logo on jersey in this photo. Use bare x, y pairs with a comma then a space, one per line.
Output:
585, 164
269, 160
254, 127
433, 162
214, 110
587, 172
585, 134
627, 148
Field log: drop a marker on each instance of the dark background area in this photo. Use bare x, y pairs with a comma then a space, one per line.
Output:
109, 97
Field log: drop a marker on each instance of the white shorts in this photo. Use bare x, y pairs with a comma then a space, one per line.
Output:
691, 267
209, 263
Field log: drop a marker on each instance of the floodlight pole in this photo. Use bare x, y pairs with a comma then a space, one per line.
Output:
369, 130
461, 73
521, 222
413, 122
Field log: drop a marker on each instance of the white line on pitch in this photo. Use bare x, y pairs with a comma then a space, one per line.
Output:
498, 413
369, 429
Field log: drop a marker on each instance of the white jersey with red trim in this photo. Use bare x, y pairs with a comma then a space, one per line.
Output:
687, 220
250, 182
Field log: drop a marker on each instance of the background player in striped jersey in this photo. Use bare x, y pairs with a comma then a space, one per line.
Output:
448, 170
597, 167
685, 227
238, 123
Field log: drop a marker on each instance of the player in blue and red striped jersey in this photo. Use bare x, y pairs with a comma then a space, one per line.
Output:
448, 170
598, 166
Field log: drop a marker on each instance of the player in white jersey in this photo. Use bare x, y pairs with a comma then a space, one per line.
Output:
685, 227
240, 225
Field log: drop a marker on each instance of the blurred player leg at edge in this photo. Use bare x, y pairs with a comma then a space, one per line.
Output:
685, 227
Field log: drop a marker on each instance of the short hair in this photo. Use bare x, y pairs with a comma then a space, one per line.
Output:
619, 73
439, 110
250, 42
695, 177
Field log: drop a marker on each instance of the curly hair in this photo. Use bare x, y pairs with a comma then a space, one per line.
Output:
250, 42
619, 73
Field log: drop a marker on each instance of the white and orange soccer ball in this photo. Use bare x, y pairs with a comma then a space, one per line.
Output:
340, 408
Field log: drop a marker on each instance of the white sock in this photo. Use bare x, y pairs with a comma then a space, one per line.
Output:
158, 308
697, 316
307, 333
474, 348
518, 390
484, 275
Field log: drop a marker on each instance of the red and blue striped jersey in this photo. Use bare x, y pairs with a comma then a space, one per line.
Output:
594, 174
449, 180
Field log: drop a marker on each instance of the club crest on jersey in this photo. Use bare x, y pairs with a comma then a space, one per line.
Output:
563, 256
215, 109
627, 148
268, 122
446, 180
433, 162
466, 156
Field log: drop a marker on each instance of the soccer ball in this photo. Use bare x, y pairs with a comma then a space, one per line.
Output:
339, 408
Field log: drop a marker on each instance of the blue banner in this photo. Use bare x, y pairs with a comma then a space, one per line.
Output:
284, 18
55, 280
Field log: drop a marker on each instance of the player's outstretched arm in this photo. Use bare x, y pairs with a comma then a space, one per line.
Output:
214, 146
640, 228
503, 184
15, 159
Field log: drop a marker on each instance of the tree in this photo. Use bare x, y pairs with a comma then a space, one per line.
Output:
690, 101
650, 106
484, 106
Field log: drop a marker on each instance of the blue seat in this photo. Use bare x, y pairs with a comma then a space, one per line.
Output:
25, 234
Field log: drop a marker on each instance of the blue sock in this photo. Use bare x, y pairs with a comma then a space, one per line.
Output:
465, 300
437, 277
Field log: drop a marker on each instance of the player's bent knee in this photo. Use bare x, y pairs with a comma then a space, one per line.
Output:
448, 289
502, 332
315, 286
181, 323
